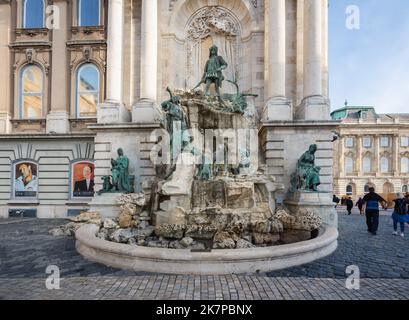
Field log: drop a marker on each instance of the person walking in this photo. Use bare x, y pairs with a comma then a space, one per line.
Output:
400, 214
335, 200
371, 202
350, 205
360, 205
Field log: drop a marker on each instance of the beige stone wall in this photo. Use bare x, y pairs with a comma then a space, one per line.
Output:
375, 129
54, 157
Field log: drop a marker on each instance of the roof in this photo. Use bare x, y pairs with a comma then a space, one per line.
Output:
354, 112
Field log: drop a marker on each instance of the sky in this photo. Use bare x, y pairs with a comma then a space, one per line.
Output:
369, 66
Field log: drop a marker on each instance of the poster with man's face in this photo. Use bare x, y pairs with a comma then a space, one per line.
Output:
26, 180
83, 180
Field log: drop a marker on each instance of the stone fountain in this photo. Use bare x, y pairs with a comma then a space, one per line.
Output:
213, 207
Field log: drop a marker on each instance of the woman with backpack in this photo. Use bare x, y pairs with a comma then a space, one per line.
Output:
400, 214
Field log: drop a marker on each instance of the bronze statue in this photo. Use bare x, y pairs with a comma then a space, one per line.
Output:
175, 113
307, 174
121, 181
213, 72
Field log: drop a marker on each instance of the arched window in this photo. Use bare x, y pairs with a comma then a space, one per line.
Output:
385, 165
350, 190
89, 13
404, 165
367, 164
405, 188
33, 14
31, 92
367, 186
88, 88
349, 165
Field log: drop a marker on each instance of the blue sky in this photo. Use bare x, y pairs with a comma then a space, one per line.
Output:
370, 66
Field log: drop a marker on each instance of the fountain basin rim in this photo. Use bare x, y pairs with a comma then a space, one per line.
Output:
220, 261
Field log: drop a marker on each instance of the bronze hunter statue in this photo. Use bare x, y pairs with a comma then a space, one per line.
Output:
213, 73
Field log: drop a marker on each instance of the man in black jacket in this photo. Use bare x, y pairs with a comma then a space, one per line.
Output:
350, 205
372, 201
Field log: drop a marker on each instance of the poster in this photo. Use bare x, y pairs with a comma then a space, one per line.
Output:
83, 180
26, 180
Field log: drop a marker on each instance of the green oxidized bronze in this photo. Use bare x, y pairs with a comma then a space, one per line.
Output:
213, 73
307, 174
237, 101
120, 181
176, 116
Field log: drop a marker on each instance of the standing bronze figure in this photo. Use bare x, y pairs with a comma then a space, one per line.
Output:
213, 72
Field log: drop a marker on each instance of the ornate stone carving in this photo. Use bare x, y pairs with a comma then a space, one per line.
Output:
87, 52
211, 19
29, 55
254, 3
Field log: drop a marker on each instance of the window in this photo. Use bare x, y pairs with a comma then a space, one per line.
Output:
88, 83
89, 13
33, 14
31, 92
384, 165
404, 142
405, 188
349, 165
404, 165
366, 188
350, 190
367, 165
367, 142
349, 142
384, 142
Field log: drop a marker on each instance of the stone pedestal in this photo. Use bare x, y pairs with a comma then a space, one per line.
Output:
278, 109
315, 108
58, 122
109, 113
146, 111
5, 124
106, 205
320, 202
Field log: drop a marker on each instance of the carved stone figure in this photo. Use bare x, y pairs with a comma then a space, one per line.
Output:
307, 174
183, 176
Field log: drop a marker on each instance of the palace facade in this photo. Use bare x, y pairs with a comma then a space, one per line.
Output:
81, 78
372, 151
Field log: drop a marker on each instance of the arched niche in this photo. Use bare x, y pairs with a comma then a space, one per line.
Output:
185, 9
194, 26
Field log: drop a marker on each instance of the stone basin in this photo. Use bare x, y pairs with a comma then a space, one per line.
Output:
216, 262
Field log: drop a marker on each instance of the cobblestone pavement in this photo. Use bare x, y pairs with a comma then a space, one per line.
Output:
26, 250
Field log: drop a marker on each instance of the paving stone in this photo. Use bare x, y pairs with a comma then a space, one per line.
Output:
26, 249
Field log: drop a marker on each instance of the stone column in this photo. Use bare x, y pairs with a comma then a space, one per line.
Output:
359, 155
113, 110
395, 155
57, 119
19, 22
277, 106
376, 141
341, 159
314, 105
5, 65
145, 110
